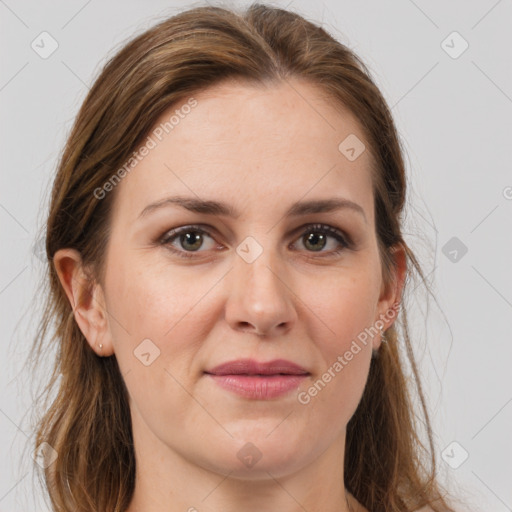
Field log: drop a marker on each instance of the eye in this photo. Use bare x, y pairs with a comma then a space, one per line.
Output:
189, 237
315, 238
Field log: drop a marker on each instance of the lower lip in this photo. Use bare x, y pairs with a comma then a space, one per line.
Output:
257, 386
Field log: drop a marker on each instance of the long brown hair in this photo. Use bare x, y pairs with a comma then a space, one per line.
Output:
86, 416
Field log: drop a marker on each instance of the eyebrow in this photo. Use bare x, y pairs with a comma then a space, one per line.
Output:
210, 207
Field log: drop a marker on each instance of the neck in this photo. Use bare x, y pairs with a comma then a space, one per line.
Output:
168, 482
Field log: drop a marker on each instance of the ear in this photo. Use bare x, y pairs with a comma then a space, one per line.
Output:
391, 295
86, 298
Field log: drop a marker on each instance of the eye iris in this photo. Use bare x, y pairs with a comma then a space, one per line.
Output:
315, 237
188, 237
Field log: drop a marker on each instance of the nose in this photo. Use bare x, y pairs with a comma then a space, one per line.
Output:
259, 299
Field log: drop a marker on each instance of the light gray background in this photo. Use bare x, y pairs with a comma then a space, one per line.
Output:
454, 117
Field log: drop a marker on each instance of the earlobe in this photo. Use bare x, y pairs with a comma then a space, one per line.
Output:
86, 300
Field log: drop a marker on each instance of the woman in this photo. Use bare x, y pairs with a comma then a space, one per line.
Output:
227, 268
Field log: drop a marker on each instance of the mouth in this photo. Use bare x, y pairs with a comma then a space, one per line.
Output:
258, 381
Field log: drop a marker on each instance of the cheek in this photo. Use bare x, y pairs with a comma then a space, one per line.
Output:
345, 305
175, 309
151, 303
150, 300
345, 312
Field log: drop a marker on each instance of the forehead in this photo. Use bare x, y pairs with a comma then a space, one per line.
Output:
253, 146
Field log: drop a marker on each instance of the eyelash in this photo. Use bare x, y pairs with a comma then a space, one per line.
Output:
173, 234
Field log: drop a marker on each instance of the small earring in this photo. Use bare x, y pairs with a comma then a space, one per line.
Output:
383, 336
101, 346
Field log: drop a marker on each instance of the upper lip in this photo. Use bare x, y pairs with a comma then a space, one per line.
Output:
252, 367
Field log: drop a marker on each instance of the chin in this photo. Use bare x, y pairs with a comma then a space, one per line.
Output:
254, 455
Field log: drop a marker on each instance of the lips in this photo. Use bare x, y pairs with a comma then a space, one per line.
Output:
252, 367
253, 380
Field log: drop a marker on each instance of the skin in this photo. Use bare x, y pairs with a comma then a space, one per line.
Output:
259, 149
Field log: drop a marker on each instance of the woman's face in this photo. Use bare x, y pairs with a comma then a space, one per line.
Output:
257, 283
